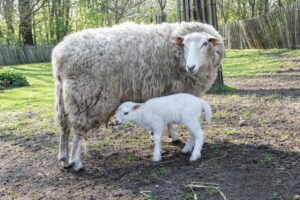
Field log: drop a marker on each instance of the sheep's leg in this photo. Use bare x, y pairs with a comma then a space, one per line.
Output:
63, 154
75, 160
198, 134
172, 134
189, 145
157, 145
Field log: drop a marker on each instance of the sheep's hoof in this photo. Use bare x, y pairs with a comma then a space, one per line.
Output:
66, 164
78, 167
62, 157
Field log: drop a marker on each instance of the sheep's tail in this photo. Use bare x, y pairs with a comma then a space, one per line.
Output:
59, 102
207, 111
61, 115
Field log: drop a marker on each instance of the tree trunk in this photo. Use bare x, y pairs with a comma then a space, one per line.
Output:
25, 22
179, 10
209, 15
8, 8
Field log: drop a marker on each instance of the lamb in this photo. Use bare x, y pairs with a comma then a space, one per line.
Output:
95, 70
155, 114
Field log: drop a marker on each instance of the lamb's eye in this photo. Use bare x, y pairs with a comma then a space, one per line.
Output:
126, 113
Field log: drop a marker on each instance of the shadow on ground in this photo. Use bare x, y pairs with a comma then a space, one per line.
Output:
240, 171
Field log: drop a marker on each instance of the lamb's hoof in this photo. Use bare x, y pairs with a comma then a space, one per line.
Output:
186, 150
156, 159
195, 157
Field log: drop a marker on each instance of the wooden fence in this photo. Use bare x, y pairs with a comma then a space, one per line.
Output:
278, 29
24, 54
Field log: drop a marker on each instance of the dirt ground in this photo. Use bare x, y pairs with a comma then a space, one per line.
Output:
252, 151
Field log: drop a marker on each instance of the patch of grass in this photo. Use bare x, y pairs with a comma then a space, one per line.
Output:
221, 89
221, 115
212, 191
147, 194
103, 143
131, 158
230, 132
164, 171
265, 159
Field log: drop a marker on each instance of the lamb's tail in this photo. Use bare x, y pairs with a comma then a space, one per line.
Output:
207, 111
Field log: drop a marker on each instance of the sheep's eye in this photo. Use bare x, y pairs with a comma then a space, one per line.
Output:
126, 113
205, 43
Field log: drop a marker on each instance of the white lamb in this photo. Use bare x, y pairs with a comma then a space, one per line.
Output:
155, 114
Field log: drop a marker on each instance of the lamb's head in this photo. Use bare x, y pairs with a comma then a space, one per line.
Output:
199, 50
126, 112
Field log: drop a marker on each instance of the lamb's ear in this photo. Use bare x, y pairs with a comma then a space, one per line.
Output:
214, 41
136, 106
177, 40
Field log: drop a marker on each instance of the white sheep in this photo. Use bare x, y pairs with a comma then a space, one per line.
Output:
155, 114
97, 69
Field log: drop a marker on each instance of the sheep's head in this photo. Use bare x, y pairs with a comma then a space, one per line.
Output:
199, 50
126, 112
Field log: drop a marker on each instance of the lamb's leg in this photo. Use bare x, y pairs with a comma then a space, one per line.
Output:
157, 145
189, 145
172, 134
75, 160
196, 130
63, 154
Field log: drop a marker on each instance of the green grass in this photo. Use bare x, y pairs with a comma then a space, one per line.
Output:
37, 95
29, 109
287, 52
250, 62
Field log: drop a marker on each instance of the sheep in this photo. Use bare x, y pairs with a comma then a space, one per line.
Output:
156, 113
97, 69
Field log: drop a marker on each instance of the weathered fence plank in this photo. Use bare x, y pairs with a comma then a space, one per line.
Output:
277, 29
10, 55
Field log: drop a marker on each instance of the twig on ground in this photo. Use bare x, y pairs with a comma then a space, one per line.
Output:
164, 180
209, 186
146, 193
194, 194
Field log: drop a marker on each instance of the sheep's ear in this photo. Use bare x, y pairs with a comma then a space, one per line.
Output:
136, 106
214, 41
177, 40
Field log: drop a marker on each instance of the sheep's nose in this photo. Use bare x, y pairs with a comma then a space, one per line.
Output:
191, 68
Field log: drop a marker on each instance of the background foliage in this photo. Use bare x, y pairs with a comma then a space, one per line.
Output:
47, 21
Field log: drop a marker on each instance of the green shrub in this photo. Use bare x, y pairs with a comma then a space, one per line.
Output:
11, 79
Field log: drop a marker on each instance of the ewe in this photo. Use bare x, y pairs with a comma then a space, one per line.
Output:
97, 69
155, 114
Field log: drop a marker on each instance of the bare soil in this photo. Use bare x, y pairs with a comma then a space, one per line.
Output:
252, 151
